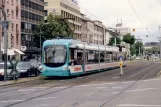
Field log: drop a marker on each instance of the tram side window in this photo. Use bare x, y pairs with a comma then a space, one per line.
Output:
92, 57
114, 59
102, 56
76, 57
108, 57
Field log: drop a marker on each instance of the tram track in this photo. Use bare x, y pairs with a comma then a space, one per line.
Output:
103, 90
151, 70
85, 80
32, 83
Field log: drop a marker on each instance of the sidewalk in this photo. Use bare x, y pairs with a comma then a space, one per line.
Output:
20, 80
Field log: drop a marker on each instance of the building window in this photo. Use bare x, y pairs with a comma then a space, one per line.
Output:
46, 3
12, 14
12, 27
12, 2
7, 11
46, 12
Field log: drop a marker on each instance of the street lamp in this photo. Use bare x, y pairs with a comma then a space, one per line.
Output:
159, 38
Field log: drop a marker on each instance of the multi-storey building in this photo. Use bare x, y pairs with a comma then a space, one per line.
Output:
32, 12
12, 8
98, 32
122, 30
67, 9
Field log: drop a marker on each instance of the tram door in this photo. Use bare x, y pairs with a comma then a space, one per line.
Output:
76, 60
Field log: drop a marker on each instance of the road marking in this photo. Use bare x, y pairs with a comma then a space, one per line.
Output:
115, 77
135, 105
141, 90
11, 101
40, 87
44, 105
101, 87
128, 82
151, 80
27, 90
115, 92
95, 84
60, 87
44, 98
116, 87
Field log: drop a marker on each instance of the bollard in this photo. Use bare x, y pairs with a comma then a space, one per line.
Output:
121, 70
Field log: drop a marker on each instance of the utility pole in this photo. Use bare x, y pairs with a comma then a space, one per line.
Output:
159, 41
4, 25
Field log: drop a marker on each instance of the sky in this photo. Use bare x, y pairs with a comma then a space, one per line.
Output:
108, 11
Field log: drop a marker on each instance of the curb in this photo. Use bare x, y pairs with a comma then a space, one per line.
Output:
15, 82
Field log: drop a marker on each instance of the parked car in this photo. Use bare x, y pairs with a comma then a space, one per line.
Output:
9, 69
28, 68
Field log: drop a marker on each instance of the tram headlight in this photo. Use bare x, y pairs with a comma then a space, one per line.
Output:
64, 68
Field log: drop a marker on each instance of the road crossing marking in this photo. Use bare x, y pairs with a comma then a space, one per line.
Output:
116, 87
115, 77
26, 90
115, 92
44, 105
101, 87
141, 90
136, 105
11, 101
128, 82
44, 98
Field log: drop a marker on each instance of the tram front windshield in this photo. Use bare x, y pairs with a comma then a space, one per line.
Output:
55, 55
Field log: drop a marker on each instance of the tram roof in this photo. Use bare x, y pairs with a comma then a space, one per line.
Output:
78, 44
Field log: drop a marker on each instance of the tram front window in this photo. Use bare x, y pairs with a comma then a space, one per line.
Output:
55, 55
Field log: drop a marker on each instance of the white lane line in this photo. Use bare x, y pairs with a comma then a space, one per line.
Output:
136, 105
101, 87
116, 87
44, 98
128, 82
151, 80
40, 87
115, 77
44, 105
115, 92
60, 87
27, 90
95, 84
11, 101
141, 90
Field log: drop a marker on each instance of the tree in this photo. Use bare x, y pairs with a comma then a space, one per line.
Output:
54, 27
112, 41
137, 46
129, 39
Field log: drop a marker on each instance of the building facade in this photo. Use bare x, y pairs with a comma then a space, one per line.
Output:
67, 9
32, 13
13, 12
98, 32
122, 30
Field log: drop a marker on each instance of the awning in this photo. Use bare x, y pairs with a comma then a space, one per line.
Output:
18, 51
9, 51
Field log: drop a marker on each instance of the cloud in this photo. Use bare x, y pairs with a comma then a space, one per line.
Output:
108, 11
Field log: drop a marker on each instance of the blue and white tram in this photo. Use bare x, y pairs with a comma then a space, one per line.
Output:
68, 57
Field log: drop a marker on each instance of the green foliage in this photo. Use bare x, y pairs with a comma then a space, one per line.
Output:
152, 50
54, 27
129, 39
137, 46
112, 41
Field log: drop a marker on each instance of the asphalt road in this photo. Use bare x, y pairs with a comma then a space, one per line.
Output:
138, 87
